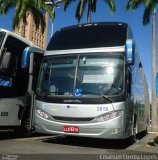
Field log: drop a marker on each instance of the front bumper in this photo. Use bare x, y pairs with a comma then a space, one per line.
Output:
111, 129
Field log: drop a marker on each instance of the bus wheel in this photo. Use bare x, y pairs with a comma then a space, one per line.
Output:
25, 125
23, 130
145, 132
134, 132
133, 138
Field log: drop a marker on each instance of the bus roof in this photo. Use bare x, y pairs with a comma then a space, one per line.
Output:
93, 35
95, 24
18, 37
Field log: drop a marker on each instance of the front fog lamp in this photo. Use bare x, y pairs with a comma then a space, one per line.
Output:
108, 116
43, 114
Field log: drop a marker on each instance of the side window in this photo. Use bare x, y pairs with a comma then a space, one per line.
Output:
129, 82
19, 76
15, 47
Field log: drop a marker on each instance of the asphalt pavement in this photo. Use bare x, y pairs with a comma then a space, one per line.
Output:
149, 143
55, 147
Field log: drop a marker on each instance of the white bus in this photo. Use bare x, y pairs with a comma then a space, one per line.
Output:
17, 81
90, 84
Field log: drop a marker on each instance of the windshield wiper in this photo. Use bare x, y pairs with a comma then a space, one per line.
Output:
104, 96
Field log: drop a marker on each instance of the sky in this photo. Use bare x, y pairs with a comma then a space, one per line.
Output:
142, 34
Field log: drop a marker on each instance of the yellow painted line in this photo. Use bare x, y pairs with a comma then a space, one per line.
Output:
151, 143
153, 132
147, 145
156, 138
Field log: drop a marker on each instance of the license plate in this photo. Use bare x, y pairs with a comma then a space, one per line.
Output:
71, 129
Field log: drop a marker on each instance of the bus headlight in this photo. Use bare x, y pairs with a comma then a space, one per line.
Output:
108, 116
43, 114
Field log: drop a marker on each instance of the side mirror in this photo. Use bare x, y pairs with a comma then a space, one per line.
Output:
25, 57
26, 54
5, 61
130, 51
157, 85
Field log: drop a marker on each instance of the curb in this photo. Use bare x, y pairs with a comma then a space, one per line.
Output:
154, 141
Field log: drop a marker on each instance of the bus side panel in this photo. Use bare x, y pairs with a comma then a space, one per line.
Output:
138, 95
11, 110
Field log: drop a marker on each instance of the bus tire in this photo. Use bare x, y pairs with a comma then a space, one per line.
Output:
23, 130
134, 132
133, 138
145, 132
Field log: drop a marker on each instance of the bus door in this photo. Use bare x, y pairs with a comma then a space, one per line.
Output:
37, 58
31, 60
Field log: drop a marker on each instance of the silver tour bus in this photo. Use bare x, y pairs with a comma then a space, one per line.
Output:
89, 83
19, 65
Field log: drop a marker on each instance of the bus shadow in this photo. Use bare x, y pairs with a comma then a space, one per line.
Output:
88, 142
9, 134
92, 142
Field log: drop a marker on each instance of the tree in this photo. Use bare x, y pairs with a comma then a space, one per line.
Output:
150, 10
91, 7
25, 7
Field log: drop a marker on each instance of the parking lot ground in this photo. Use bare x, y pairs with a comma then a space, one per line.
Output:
153, 141
54, 147
149, 143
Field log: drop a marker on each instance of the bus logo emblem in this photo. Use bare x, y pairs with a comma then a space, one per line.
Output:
72, 101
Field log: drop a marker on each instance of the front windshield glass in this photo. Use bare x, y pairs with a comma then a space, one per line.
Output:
57, 75
2, 34
82, 75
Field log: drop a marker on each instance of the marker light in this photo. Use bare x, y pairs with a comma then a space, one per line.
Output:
130, 51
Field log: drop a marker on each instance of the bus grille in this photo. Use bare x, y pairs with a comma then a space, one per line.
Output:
72, 119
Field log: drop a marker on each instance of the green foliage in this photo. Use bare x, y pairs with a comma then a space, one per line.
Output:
111, 4
134, 4
22, 7
67, 3
82, 4
150, 8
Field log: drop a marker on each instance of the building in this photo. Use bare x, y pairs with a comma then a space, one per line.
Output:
33, 34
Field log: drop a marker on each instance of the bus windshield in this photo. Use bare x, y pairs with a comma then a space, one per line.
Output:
82, 75
2, 34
